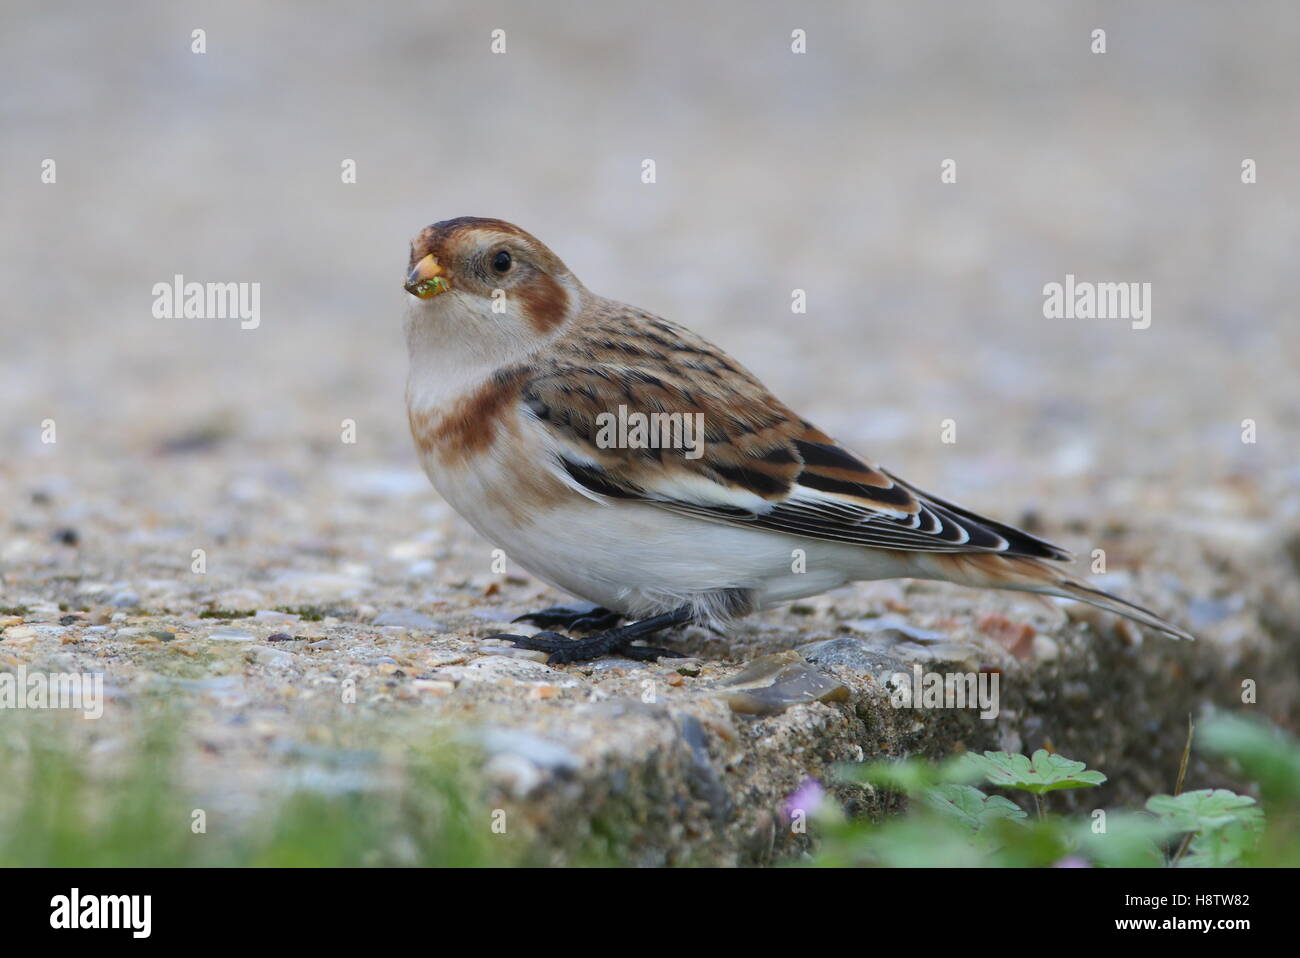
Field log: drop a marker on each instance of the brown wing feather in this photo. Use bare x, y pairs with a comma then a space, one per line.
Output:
795, 478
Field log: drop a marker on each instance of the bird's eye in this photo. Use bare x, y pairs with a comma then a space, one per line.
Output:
501, 262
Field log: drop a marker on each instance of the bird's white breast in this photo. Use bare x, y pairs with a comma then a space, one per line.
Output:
633, 557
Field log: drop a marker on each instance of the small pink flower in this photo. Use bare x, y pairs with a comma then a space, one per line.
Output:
807, 799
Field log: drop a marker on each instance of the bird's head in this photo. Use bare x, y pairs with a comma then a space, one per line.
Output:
489, 278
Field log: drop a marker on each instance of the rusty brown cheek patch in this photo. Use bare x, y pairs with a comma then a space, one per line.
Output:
463, 439
545, 303
471, 426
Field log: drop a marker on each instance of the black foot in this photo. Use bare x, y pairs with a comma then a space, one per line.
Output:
561, 648
588, 618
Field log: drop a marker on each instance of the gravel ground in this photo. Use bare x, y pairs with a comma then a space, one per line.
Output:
775, 172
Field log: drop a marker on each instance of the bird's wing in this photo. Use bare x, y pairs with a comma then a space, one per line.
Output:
751, 461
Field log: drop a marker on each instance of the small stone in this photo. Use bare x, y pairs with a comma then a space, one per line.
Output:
513, 652
614, 663
893, 628
1046, 649
163, 635
439, 659
66, 536
409, 619
773, 683
19, 635
963, 652
1016, 637
125, 600
279, 637
276, 658
230, 634
539, 751
762, 671
514, 774
433, 686
852, 653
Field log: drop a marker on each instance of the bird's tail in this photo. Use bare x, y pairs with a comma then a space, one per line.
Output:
1022, 574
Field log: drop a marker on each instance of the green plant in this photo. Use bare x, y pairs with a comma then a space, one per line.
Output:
951, 821
59, 808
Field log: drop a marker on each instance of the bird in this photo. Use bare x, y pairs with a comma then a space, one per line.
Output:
629, 462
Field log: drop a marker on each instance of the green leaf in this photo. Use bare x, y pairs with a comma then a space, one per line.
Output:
1043, 773
1130, 839
1268, 755
910, 776
1205, 809
970, 806
925, 842
1222, 846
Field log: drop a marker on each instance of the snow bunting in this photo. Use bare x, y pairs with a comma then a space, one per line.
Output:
626, 460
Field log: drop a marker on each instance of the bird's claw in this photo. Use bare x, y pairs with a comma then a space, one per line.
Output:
591, 619
562, 649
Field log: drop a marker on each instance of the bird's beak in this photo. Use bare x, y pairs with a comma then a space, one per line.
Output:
426, 280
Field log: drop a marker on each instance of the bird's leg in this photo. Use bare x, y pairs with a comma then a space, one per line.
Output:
585, 618
563, 649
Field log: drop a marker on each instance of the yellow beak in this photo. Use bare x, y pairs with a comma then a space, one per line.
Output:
426, 280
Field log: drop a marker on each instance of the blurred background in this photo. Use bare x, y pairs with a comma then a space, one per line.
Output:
776, 171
